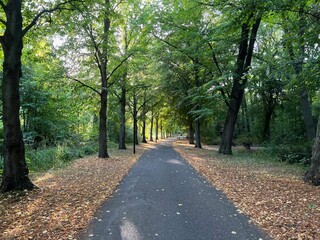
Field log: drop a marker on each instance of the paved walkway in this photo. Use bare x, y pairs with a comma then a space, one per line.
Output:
164, 198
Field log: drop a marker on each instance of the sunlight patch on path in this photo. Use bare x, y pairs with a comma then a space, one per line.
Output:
129, 231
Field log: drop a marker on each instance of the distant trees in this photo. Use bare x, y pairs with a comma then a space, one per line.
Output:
221, 72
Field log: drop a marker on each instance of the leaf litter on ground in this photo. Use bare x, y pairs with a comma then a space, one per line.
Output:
67, 198
278, 201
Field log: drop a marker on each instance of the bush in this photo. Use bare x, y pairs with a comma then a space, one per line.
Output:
293, 154
56, 157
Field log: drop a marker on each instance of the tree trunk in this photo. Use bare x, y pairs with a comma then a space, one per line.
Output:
191, 133
161, 131
197, 134
103, 142
307, 114
246, 115
15, 172
151, 128
239, 82
122, 134
144, 139
313, 174
135, 131
157, 127
267, 120
135, 121
103, 147
298, 67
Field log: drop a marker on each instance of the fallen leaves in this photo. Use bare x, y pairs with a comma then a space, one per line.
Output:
66, 199
278, 201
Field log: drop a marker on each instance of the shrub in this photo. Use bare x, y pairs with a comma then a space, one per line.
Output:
293, 154
56, 157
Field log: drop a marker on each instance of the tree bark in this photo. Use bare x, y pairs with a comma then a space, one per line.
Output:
103, 147
144, 139
313, 174
307, 114
135, 131
161, 130
103, 142
191, 133
197, 134
135, 121
239, 82
157, 127
151, 128
15, 173
245, 114
267, 119
122, 134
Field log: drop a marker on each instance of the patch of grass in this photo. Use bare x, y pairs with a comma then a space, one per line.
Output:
57, 157
262, 159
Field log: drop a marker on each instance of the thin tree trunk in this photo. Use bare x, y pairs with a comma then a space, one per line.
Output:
307, 114
135, 131
191, 133
157, 127
161, 130
135, 120
245, 114
15, 172
151, 128
103, 147
267, 120
144, 139
197, 134
239, 82
122, 134
313, 174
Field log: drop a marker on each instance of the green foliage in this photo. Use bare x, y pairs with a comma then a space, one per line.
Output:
292, 154
56, 157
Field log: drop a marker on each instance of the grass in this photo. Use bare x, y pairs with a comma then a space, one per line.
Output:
56, 157
261, 158
44, 159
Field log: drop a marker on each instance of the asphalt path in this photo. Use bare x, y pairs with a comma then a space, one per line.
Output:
164, 198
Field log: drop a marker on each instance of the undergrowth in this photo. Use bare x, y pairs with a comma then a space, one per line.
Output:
57, 157
262, 158
43, 159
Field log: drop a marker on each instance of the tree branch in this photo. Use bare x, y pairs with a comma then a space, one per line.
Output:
44, 11
173, 46
221, 74
83, 84
316, 15
117, 67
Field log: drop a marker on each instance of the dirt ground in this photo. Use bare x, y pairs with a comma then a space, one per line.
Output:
274, 197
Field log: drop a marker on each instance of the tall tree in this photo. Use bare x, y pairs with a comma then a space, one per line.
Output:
296, 46
15, 176
242, 65
95, 26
